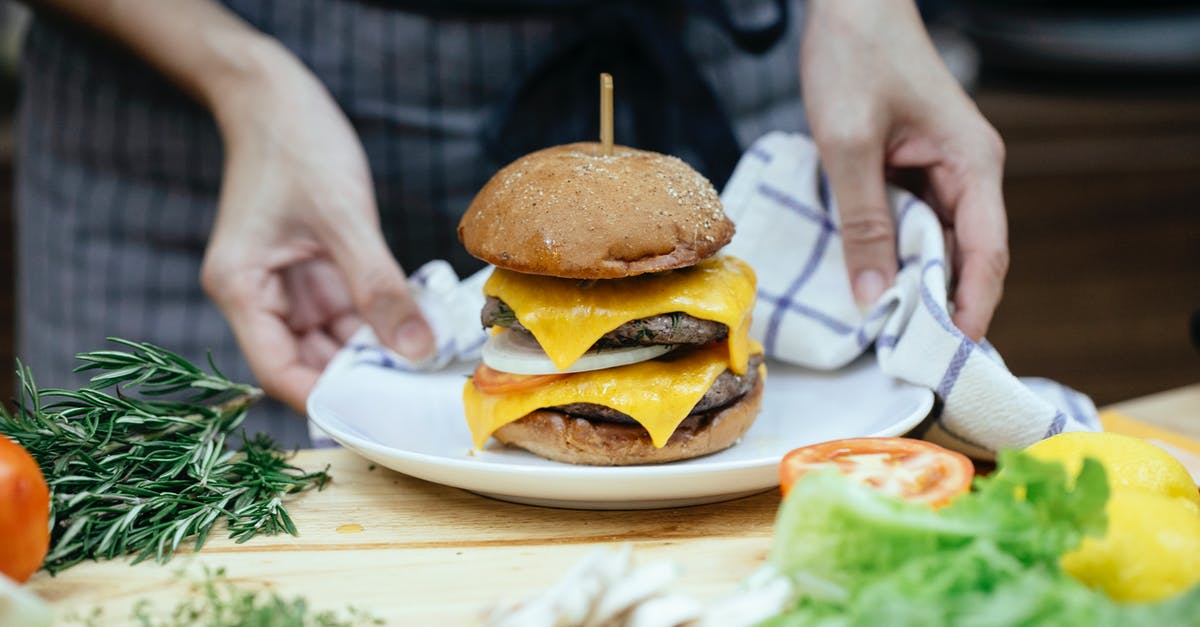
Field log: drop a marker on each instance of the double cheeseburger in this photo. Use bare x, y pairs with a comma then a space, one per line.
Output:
618, 334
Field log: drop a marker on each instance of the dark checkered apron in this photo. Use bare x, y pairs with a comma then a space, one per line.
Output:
118, 171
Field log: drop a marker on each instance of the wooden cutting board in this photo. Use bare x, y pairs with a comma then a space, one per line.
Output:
416, 553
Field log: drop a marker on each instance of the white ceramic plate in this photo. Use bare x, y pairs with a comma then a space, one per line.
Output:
414, 424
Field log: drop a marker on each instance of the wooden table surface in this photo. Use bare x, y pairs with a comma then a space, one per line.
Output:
416, 553
1176, 410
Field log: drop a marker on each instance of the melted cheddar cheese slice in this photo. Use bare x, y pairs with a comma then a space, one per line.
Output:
568, 316
657, 394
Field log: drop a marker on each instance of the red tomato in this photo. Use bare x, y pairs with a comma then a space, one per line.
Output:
24, 512
915, 470
491, 381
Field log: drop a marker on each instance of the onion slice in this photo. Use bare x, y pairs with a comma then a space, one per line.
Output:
519, 353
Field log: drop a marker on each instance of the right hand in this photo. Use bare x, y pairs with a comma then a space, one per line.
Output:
296, 260
878, 97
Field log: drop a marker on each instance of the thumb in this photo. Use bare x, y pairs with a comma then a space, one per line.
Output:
380, 292
868, 232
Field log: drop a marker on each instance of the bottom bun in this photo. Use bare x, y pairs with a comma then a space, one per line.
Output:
561, 437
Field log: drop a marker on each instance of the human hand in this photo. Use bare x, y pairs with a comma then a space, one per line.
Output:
296, 260
880, 100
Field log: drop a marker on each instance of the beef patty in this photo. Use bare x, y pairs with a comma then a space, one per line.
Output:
727, 388
671, 328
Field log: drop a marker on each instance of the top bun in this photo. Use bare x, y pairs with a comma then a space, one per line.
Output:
569, 211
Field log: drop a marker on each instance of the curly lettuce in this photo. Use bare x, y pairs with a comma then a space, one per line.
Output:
990, 558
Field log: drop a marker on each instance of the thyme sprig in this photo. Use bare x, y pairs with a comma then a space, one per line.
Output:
145, 466
216, 601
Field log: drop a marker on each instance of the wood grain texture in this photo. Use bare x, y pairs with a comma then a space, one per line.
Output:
445, 586
416, 553
428, 554
1176, 410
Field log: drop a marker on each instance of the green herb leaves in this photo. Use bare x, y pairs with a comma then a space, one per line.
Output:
146, 466
216, 601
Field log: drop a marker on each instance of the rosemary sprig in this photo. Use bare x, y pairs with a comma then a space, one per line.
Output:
147, 466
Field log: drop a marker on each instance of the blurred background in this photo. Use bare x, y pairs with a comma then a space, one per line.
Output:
1099, 105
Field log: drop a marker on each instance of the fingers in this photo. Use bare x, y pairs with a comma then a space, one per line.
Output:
316, 293
319, 303
252, 305
855, 170
972, 202
380, 292
981, 256
344, 326
317, 348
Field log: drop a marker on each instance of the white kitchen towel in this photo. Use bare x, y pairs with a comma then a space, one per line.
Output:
787, 229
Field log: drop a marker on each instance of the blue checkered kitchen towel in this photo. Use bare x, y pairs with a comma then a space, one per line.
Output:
787, 229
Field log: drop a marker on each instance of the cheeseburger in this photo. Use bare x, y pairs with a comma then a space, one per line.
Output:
618, 334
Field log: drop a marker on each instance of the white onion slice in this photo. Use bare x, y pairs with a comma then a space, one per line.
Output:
519, 353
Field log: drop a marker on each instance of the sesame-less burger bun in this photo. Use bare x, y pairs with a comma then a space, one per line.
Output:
561, 437
569, 211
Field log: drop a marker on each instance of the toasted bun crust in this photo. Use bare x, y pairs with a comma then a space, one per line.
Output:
568, 211
560, 437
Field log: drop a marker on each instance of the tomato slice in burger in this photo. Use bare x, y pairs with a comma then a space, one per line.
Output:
914, 470
491, 381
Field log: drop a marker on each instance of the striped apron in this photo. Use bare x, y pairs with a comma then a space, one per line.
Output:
118, 171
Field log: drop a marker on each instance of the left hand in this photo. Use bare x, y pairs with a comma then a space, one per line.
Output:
878, 100
297, 261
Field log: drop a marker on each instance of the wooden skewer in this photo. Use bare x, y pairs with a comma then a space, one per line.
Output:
606, 114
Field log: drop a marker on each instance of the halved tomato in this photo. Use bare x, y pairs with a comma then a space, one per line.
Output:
491, 381
24, 513
914, 470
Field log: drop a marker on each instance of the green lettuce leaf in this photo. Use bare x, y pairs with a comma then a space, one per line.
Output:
858, 557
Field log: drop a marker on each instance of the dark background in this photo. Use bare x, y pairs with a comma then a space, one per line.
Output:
1102, 187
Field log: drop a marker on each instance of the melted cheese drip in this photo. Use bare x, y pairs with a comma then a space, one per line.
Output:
657, 394
568, 316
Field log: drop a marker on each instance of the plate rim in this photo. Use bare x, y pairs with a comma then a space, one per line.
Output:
580, 472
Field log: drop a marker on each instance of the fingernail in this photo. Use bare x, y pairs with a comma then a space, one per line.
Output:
414, 340
868, 286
